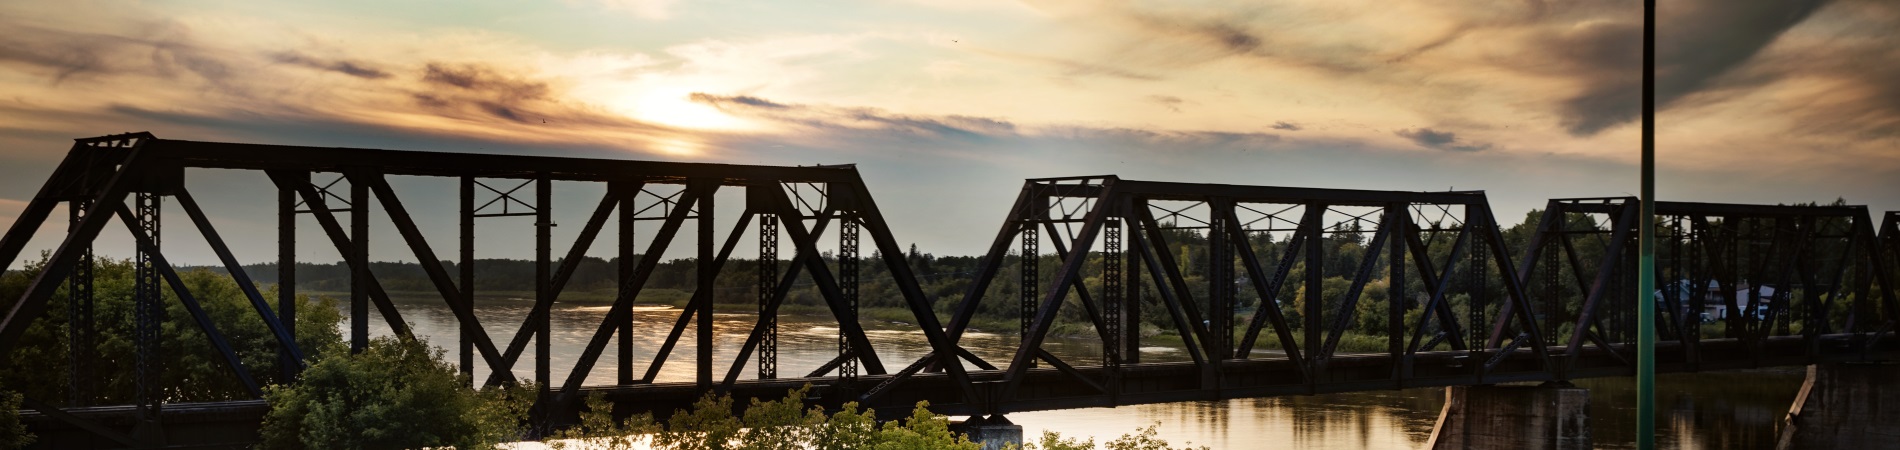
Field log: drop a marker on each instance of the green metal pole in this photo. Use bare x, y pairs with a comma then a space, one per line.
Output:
1646, 262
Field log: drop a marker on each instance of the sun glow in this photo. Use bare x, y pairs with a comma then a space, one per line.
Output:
677, 146
675, 108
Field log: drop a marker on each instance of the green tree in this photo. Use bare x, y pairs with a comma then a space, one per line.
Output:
397, 393
190, 367
12, 433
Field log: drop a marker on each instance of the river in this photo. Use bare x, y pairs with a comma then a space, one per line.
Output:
1698, 411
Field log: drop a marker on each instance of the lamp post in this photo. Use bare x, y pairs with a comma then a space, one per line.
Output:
1646, 259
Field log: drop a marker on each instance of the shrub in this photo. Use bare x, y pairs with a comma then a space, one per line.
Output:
395, 394
12, 433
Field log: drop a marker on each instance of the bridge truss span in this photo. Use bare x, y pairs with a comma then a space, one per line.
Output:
344, 190
1192, 291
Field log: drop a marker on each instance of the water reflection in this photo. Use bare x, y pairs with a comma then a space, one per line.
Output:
1700, 411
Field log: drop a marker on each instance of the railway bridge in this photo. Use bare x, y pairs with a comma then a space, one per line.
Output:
1434, 292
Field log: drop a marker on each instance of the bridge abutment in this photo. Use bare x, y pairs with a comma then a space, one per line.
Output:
994, 432
1845, 405
1513, 417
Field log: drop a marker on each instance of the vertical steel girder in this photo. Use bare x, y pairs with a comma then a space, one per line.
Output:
1132, 299
768, 289
707, 273
148, 309
465, 266
848, 288
543, 292
359, 270
289, 365
1029, 268
1112, 295
625, 193
81, 328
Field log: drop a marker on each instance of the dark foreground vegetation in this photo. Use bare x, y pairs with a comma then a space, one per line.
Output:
397, 393
401, 394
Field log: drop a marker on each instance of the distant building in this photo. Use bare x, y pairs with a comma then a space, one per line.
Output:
1715, 301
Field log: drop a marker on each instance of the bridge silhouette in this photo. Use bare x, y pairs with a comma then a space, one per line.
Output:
1745, 286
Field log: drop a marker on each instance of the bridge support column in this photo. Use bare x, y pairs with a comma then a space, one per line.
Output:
1845, 405
1513, 417
993, 433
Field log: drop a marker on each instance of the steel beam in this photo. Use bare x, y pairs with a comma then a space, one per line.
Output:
289, 365
286, 341
622, 310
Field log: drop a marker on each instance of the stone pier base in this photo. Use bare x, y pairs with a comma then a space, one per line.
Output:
1844, 406
993, 432
1513, 417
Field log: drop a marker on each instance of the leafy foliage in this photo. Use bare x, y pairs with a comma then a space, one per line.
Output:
766, 425
395, 394
190, 368
13, 434
1143, 439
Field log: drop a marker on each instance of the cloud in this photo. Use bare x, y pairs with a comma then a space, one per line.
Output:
863, 119
1704, 40
351, 68
152, 47
860, 126
1288, 126
1071, 68
1171, 102
744, 100
473, 86
1442, 140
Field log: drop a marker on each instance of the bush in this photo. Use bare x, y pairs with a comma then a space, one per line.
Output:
395, 394
12, 433
1143, 439
766, 425
191, 368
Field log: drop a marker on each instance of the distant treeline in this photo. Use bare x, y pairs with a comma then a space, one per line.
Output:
943, 279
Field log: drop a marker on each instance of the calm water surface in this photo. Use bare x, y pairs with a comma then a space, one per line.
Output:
1727, 410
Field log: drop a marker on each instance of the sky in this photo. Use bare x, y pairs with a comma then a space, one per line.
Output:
947, 105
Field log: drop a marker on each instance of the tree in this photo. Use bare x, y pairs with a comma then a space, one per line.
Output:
397, 393
191, 370
12, 433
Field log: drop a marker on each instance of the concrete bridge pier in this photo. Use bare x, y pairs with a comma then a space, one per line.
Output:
1513, 417
994, 432
1845, 405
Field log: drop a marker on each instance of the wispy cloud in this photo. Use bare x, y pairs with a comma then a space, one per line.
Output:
1755, 87
1168, 101
351, 68
1442, 140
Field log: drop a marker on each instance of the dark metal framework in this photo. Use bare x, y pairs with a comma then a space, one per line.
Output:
1241, 273
1750, 274
1077, 214
99, 174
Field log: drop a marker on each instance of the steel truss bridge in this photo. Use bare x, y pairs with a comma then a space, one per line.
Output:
1791, 285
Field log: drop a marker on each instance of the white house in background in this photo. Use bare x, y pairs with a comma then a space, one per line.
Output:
1714, 301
